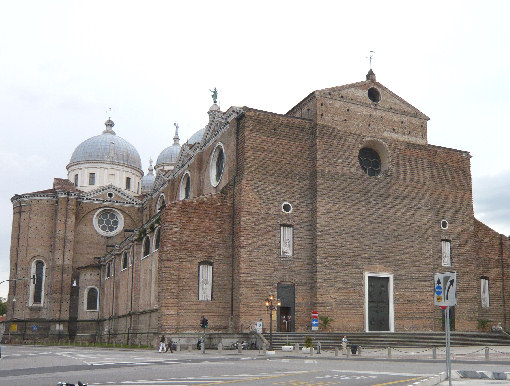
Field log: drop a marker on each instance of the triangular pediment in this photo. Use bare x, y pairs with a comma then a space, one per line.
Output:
110, 193
358, 93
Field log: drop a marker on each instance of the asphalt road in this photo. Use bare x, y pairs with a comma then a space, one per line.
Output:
39, 365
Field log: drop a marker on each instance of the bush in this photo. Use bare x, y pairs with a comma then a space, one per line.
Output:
308, 341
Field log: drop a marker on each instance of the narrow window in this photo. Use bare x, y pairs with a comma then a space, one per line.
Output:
124, 260
92, 178
128, 183
185, 187
205, 281
286, 238
161, 202
157, 239
76, 180
108, 273
446, 260
37, 288
484, 291
92, 299
146, 246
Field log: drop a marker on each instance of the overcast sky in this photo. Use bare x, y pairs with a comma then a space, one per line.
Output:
64, 63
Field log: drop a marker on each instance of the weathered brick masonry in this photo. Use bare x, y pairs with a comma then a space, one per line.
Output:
350, 230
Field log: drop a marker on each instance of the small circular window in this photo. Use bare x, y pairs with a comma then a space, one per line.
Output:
217, 164
110, 195
444, 224
108, 222
374, 95
369, 161
286, 207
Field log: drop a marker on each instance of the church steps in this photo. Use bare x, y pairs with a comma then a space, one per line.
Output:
418, 339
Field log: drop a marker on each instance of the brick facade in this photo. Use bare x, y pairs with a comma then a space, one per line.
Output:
349, 229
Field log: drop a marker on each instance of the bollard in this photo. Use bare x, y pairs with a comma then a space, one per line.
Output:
239, 348
359, 350
434, 353
389, 352
319, 348
296, 347
220, 347
311, 351
486, 353
348, 353
336, 351
190, 347
179, 346
264, 349
202, 347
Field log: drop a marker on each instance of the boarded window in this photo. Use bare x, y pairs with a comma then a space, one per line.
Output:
484, 292
92, 299
286, 240
205, 281
446, 260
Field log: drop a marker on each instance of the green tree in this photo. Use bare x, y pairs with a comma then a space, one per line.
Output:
3, 306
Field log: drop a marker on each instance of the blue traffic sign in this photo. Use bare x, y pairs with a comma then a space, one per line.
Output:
439, 290
315, 322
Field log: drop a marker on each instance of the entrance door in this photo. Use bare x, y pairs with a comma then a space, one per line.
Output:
378, 304
286, 311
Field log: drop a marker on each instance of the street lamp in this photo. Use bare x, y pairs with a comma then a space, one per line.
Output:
272, 304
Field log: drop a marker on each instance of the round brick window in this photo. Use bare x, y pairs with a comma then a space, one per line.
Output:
369, 161
108, 222
374, 95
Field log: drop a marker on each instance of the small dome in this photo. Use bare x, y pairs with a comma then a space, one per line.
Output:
107, 147
148, 179
197, 137
171, 153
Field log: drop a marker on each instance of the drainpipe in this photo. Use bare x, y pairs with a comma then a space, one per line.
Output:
502, 279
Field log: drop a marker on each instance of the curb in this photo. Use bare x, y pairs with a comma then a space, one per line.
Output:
431, 381
473, 374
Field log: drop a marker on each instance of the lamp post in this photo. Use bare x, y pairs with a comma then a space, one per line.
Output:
272, 304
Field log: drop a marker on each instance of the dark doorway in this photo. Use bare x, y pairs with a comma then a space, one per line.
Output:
378, 304
286, 311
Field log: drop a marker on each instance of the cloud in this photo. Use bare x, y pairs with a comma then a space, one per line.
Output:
491, 196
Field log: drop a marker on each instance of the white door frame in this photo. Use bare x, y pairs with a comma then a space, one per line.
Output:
390, 295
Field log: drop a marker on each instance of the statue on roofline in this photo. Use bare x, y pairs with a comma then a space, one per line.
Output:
214, 95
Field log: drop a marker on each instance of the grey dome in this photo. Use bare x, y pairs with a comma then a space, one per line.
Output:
107, 147
197, 137
168, 155
148, 179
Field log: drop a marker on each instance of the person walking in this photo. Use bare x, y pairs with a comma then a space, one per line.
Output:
344, 344
162, 344
169, 345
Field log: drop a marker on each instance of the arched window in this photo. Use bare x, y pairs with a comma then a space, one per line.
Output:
108, 271
161, 202
124, 260
37, 288
217, 164
157, 238
92, 299
146, 249
185, 187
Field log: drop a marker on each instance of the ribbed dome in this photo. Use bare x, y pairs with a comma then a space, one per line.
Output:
197, 137
107, 147
168, 155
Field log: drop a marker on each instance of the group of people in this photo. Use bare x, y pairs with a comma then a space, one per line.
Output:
163, 346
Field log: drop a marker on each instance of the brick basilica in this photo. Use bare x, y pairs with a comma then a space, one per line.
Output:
340, 206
